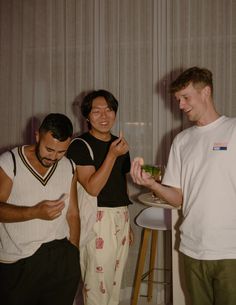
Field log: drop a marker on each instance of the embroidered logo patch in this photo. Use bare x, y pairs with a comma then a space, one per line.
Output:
220, 146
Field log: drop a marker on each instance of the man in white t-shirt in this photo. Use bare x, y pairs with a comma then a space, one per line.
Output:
201, 176
39, 219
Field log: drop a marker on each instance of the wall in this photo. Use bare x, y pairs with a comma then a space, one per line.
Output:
52, 51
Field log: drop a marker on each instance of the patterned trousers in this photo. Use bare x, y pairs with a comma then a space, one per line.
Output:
103, 259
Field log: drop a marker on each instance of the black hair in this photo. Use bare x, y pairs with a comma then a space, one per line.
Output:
87, 102
197, 76
59, 125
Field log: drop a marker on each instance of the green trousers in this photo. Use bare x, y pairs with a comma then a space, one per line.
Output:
211, 282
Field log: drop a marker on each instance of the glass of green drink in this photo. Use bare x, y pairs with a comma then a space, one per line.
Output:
156, 171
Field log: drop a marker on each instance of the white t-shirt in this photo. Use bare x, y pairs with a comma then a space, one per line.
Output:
202, 163
22, 239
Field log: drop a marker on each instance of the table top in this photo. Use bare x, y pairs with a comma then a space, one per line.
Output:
149, 199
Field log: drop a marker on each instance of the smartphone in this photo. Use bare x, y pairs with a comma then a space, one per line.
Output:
64, 197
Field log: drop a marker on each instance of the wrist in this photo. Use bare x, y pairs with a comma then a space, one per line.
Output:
152, 185
111, 156
31, 212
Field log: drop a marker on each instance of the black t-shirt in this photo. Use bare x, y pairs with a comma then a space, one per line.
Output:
114, 193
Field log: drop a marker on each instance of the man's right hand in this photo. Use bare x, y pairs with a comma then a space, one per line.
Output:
49, 209
139, 176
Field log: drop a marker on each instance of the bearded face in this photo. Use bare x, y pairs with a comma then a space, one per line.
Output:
49, 150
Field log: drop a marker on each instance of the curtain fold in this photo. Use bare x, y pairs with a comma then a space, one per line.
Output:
53, 51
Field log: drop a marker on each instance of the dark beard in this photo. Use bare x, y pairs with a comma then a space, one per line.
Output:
40, 159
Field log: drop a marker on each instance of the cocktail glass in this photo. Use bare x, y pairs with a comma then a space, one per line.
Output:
156, 171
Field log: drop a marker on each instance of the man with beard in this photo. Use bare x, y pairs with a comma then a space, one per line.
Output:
39, 219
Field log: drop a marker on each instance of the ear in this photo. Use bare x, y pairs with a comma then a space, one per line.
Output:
37, 136
206, 92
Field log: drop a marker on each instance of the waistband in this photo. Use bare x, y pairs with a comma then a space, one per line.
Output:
54, 243
115, 210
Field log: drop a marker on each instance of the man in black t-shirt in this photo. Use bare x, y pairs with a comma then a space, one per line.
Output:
103, 161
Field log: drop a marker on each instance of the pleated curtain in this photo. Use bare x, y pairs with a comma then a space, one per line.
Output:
53, 51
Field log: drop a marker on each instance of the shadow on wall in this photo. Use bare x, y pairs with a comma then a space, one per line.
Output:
28, 135
77, 112
163, 90
31, 127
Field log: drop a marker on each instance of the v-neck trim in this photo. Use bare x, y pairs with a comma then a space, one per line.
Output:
42, 179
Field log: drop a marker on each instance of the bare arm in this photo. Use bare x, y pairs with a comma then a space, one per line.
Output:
93, 181
47, 209
73, 217
172, 195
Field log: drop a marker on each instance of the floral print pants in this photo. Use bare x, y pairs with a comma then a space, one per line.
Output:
103, 258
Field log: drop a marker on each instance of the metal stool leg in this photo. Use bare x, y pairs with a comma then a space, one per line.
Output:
152, 264
141, 261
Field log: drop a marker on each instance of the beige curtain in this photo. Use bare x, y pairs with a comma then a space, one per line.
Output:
52, 51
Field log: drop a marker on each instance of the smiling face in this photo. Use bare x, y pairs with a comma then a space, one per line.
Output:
194, 101
101, 118
49, 150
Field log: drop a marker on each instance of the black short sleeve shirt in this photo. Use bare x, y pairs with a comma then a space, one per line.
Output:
114, 193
